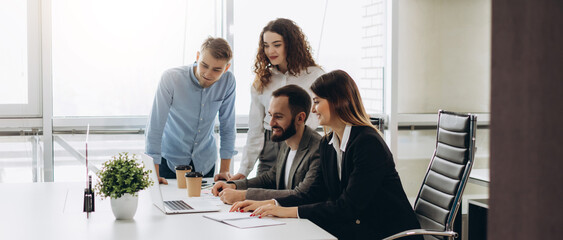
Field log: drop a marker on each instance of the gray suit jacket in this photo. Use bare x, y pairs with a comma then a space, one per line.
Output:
304, 170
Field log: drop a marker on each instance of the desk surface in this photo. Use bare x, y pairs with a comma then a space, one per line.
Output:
480, 177
54, 211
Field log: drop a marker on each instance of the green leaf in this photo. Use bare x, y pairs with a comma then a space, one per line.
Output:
122, 174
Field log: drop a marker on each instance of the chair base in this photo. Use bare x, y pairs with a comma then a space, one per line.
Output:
412, 232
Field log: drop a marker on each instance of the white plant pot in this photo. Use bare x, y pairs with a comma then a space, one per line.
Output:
124, 208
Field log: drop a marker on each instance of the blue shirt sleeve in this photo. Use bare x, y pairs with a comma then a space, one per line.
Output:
227, 121
157, 119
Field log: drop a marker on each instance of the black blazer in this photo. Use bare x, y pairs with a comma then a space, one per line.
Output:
368, 203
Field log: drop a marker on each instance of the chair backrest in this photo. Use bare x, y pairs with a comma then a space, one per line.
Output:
439, 197
377, 122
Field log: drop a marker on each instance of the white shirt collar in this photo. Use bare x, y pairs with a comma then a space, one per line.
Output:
334, 140
275, 71
345, 137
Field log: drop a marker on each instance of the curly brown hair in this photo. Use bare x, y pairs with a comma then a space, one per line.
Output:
297, 48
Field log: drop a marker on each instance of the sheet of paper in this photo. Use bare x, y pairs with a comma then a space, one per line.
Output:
208, 197
242, 220
253, 222
222, 216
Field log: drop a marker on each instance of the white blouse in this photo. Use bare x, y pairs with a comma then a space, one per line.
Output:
340, 147
259, 119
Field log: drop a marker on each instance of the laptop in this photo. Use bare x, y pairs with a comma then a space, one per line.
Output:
190, 205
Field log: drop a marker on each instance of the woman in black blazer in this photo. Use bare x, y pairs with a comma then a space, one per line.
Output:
358, 194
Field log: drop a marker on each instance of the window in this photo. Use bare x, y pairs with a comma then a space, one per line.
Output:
18, 161
108, 56
19, 61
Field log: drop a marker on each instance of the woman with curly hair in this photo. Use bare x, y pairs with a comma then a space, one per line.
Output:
283, 57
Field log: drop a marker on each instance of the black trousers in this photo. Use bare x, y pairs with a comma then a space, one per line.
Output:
165, 171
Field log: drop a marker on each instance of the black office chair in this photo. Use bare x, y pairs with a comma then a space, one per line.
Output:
439, 198
378, 123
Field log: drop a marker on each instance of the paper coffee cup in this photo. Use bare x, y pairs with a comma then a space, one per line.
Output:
193, 182
181, 171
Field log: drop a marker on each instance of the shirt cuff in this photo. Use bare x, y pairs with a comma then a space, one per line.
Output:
157, 159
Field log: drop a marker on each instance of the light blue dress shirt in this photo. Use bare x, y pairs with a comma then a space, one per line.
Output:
181, 123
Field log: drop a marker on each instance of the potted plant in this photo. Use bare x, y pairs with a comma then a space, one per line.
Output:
120, 179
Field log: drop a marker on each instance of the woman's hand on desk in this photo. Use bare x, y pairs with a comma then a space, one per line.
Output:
249, 205
276, 211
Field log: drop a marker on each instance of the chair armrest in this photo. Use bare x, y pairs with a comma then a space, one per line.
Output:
413, 232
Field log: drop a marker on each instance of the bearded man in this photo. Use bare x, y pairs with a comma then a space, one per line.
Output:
297, 162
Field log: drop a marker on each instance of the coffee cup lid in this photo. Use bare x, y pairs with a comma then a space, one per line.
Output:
194, 174
183, 167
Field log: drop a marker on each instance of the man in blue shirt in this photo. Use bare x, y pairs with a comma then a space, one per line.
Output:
181, 123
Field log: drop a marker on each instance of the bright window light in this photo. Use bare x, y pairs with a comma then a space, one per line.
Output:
108, 56
13, 49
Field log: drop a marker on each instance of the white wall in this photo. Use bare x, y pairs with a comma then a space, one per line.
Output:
444, 56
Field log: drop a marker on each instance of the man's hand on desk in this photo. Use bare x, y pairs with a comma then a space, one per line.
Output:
162, 180
230, 196
237, 177
220, 186
222, 176
228, 177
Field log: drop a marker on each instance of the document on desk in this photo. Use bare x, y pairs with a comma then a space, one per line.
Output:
242, 220
208, 197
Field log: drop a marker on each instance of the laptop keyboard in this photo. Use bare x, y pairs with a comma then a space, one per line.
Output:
177, 205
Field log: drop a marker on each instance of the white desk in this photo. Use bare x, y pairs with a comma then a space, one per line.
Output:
54, 211
480, 177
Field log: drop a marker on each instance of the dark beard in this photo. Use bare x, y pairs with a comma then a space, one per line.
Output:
287, 133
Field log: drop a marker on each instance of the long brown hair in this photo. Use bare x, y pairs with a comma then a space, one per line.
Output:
297, 48
340, 90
